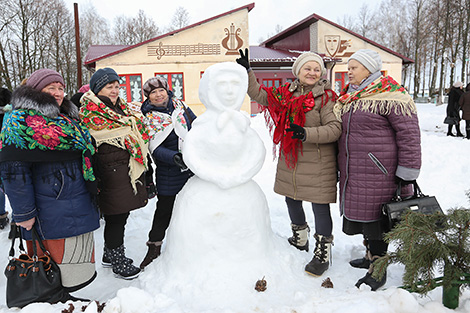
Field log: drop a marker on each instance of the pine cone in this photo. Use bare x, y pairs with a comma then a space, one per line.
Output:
327, 283
69, 310
261, 285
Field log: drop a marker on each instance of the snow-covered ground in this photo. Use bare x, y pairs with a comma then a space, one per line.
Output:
445, 174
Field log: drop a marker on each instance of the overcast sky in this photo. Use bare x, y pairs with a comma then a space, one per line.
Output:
263, 18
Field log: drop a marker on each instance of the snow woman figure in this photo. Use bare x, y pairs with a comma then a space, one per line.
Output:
300, 116
168, 120
47, 175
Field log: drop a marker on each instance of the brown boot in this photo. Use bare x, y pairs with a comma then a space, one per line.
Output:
152, 253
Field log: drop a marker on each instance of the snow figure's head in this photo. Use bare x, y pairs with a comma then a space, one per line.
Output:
223, 86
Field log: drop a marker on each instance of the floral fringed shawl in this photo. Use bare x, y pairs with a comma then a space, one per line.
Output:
31, 130
125, 132
284, 109
380, 97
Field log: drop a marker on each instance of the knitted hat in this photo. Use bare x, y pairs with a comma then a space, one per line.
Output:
101, 78
307, 57
369, 58
154, 83
44, 77
458, 84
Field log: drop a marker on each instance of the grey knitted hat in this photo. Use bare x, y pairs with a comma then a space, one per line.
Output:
369, 58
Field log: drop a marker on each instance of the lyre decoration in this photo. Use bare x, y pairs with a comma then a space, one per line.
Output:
232, 42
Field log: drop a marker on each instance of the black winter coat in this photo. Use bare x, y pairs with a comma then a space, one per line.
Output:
453, 106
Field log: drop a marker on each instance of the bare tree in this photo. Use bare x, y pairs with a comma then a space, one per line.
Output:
129, 31
179, 20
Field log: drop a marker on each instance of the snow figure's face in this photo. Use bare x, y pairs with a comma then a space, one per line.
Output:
223, 86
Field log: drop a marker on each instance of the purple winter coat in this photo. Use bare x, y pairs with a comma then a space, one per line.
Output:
373, 148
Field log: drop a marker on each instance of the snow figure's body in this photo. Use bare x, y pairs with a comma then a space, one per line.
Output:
220, 227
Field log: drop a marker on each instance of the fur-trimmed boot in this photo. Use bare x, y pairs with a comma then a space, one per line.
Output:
153, 252
122, 267
362, 262
373, 283
321, 255
299, 237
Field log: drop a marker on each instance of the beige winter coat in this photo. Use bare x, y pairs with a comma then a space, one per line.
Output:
314, 177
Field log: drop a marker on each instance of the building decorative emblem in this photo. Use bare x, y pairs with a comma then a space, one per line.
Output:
337, 47
232, 41
183, 50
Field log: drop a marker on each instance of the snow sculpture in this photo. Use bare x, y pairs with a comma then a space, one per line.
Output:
220, 228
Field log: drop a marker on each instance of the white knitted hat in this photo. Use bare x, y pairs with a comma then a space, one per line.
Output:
307, 57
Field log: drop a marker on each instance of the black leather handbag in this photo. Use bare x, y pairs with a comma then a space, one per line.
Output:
418, 202
32, 279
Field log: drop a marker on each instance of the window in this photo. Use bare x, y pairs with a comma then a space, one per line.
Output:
131, 87
341, 80
270, 82
175, 82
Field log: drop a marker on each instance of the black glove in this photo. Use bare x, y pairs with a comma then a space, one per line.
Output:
298, 132
151, 190
403, 182
243, 60
178, 159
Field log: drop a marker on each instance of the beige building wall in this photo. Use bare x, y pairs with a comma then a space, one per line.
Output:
336, 43
190, 51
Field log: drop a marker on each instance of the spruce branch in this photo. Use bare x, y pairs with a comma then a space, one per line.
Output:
427, 244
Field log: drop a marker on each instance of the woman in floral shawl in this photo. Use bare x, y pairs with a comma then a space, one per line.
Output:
304, 128
379, 147
121, 161
47, 174
168, 120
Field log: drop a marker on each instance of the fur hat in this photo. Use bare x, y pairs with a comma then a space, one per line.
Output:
369, 58
44, 77
101, 78
458, 85
154, 83
307, 57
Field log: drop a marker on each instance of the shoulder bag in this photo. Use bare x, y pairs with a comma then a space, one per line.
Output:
32, 279
418, 202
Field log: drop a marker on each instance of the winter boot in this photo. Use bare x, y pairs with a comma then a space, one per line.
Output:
362, 262
4, 220
300, 236
152, 253
122, 267
321, 255
373, 283
468, 133
449, 131
106, 259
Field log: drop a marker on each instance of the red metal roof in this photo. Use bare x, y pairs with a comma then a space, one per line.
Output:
264, 54
89, 61
315, 18
98, 51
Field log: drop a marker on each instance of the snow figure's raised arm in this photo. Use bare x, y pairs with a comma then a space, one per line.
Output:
221, 147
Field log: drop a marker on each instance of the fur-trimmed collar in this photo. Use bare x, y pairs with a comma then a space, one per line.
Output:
27, 98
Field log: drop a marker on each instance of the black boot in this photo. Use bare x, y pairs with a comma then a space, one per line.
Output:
362, 262
321, 255
4, 220
373, 283
153, 252
299, 237
468, 133
106, 259
449, 131
122, 267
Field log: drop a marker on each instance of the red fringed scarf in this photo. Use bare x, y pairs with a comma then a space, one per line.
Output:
284, 109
